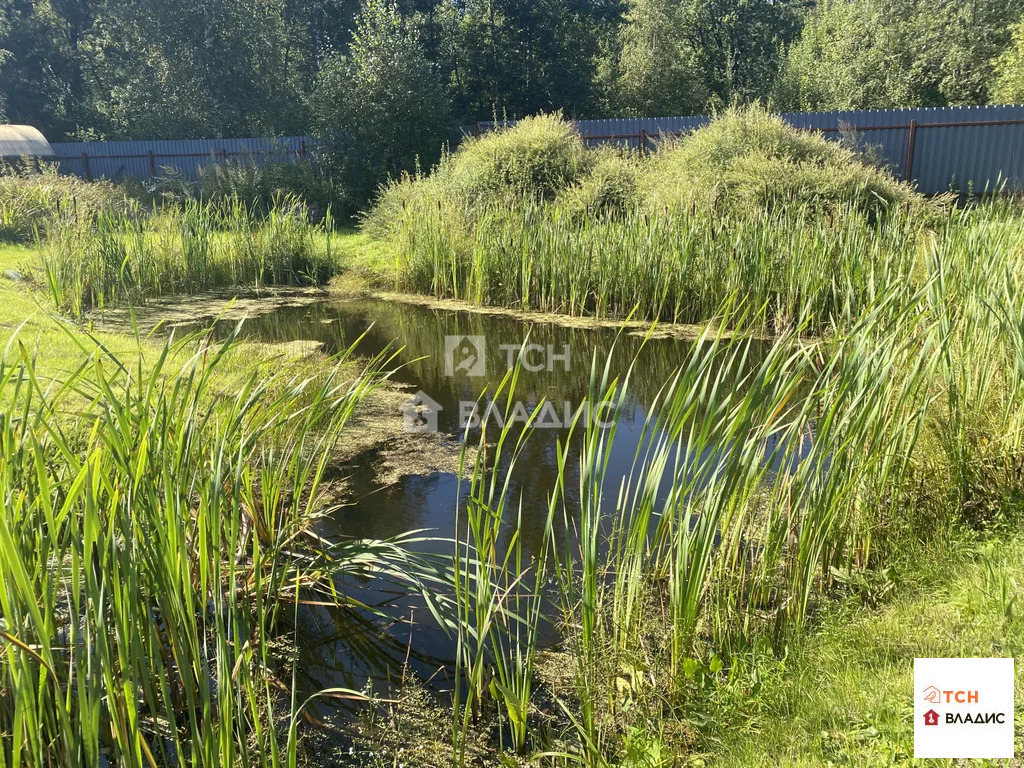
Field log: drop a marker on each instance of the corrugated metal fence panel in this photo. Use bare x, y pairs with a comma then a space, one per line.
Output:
954, 147
961, 146
139, 159
884, 131
970, 154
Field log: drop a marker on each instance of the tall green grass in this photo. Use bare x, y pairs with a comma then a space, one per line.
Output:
108, 258
793, 266
763, 484
498, 594
796, 226
156, 539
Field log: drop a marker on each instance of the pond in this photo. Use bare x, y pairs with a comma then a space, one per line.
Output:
451, 360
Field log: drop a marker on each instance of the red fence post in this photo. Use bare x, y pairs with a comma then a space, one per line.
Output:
224, 155
911, 138
152, 163
85, 166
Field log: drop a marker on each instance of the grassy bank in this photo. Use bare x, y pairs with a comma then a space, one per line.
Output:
837, 694
841, 696
158, 537
798, 229
100, 248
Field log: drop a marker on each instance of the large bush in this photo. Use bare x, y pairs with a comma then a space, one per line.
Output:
752, 157
534, 159
610, 187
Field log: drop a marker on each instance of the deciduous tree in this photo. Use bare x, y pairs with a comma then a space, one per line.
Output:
383, 105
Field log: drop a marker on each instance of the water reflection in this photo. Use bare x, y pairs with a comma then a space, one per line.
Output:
441, 347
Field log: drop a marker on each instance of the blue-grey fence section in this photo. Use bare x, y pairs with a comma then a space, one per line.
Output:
938, 147
143, 159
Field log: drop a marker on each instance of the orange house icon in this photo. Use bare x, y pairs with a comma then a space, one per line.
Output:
931, 717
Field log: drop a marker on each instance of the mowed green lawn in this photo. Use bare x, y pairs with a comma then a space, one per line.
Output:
844, 695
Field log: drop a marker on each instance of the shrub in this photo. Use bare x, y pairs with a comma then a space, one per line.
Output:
1008, 76
749, 156
396, 198
534, 159
32, 202
610, 187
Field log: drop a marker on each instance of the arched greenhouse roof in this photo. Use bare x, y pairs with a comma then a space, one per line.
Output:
23, 141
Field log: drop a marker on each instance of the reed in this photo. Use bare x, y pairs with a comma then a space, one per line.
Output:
157, 532
109, 258
761, 484
499, 600
801, 267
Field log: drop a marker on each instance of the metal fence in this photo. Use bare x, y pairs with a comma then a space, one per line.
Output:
144, 159
937, 147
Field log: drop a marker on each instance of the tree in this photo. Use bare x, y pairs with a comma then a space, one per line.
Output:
682, 57
509, 58
1008, 75
381, 107
40, 69
657, 70
176, 68
859, 54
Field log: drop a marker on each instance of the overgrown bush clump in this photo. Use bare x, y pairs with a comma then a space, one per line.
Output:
532, 161
791, 223
749, 156
34, 202
610, 187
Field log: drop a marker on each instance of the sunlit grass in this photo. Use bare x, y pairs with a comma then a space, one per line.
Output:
110, 258
157, 536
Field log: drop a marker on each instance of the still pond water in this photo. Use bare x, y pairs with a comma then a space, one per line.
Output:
441, 349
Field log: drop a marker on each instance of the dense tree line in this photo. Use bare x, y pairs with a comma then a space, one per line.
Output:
385, 81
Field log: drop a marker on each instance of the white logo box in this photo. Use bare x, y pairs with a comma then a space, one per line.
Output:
971, 703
